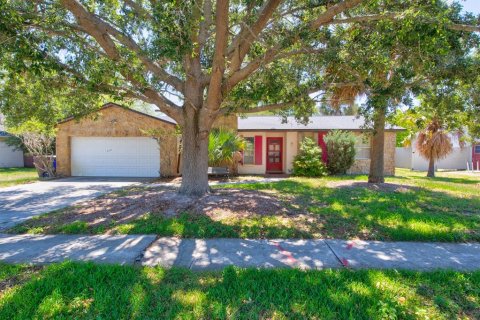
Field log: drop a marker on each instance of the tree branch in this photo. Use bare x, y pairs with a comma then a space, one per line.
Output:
137, 7
243, 41
331, 12
268, 107
399, 16
102, 32
205, 24
214, 95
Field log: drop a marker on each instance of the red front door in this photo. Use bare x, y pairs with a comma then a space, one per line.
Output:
274, 154
476, 156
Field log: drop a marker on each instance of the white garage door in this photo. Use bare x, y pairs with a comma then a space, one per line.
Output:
115, 157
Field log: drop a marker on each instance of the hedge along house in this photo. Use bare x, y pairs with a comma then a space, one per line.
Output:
117, 142
271, 145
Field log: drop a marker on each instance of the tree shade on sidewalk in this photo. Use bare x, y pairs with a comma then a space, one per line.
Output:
212, 254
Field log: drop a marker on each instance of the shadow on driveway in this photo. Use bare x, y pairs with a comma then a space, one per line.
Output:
23, 202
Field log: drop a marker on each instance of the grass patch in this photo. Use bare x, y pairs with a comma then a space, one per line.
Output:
199, 226
87, 291
15, 176
410, 208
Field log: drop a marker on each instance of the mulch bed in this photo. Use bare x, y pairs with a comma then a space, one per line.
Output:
130, 204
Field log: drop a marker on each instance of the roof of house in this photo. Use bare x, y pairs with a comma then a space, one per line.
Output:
4, 133
315, 123
161, 117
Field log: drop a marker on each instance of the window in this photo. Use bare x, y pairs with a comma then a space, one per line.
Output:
477, 149
362, 148
249, 151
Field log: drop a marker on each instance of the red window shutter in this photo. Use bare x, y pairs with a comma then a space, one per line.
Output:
323, 145
258, 149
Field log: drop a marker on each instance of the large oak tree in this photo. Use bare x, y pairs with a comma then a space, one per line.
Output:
197, 60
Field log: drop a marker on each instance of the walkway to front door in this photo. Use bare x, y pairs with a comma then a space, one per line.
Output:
274, 155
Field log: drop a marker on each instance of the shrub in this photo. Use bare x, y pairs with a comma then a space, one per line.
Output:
341, 151
309, 161
223, 144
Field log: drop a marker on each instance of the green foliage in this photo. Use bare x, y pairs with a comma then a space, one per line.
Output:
222, 146
73, 290
309, 162
15, 176
340, 150
428, 209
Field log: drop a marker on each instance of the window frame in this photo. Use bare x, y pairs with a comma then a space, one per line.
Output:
475, 149
360, 145
253, 151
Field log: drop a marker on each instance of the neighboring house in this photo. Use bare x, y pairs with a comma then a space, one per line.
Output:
460, 158
272, 145
114, 142
9, 156
476, 155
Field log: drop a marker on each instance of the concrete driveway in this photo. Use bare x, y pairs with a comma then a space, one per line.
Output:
19, 203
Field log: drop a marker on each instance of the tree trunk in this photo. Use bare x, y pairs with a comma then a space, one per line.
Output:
194, 157
431, 168
378, 144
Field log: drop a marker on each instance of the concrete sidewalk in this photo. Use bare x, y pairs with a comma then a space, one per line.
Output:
43, 249
214, 254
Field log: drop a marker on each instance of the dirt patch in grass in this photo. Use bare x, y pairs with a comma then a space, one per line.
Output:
20, 278
133, 203
382, 187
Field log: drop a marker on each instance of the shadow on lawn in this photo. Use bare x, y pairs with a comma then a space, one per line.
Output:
390, 212
403, 214
451, 180
85, 291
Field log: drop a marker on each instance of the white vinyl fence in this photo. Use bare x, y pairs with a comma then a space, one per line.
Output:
411, 159
403, 157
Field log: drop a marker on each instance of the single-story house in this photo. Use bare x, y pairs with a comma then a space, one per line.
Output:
117, 141
272, 144
9, 156
462, 157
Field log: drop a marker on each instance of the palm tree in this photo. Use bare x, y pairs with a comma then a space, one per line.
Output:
434, 144
223, 147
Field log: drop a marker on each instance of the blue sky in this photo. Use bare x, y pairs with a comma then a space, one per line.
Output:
471, 5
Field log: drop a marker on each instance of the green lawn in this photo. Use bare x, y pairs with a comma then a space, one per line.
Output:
87, 291
415, 208
14, 176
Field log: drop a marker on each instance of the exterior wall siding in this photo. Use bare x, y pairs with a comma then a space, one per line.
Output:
291, 146
261, 169
9, 156
115, 121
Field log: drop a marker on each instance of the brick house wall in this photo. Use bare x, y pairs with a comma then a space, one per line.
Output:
363, 165
116, 121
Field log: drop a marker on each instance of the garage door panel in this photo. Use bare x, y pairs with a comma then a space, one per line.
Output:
115, 157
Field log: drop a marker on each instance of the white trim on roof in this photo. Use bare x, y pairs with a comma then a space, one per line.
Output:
315, 123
